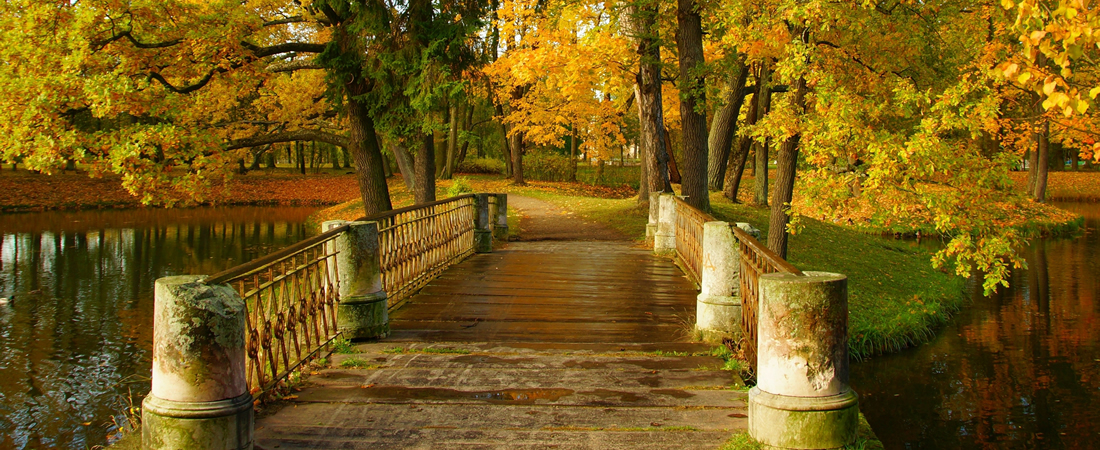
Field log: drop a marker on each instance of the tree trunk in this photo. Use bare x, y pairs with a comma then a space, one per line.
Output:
368, 157
1040, 168
573, 155
425, 170
673, 168
736, 172
452, 143
334, 155
693, 115
517, 143
723, 128
760, 166
784, 181
1074, 158
467, 126
405, 165
301, 157
649, 97
643, 166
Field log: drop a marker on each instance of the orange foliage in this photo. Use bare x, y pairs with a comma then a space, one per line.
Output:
35, 192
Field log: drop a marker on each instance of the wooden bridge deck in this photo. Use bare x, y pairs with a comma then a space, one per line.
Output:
553, 291
544, 344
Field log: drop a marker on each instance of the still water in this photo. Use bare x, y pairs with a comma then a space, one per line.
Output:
1018, 369
75, 339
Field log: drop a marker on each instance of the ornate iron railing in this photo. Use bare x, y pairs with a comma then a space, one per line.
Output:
291, 297
418, 242
756, 259
689, 237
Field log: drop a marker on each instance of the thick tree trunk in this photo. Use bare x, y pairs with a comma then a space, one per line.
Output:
723, 128
736, 171
1074, 158
424, 170
674, 176
368, 157
784, 181
649, 97
693, 115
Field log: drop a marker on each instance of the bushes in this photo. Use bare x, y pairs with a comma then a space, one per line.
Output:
544, 166
481, 165
460, 185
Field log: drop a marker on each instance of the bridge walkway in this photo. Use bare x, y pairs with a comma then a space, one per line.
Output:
572, 337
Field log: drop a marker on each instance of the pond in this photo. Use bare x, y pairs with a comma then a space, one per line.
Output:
1017, 369
76, 336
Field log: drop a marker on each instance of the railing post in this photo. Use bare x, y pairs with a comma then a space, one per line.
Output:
362, 312
500, 228
664, 241
199, 397
483, 236
802, 399
718, 306
654, 217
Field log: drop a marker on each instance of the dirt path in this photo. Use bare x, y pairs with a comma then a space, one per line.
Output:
544, 221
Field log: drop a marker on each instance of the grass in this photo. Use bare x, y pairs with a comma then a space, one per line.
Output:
404, 350
895, 298
342, 346
357, 363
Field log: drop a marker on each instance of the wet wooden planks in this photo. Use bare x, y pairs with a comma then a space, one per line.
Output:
553, 291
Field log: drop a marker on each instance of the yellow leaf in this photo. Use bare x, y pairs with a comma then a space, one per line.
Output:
1024, 76
1048, 88
1092, 93
1007, 4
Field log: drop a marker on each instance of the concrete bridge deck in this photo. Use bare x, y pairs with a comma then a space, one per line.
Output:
557, 341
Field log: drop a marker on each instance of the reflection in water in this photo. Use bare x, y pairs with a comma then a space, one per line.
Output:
1018, 369
75, 339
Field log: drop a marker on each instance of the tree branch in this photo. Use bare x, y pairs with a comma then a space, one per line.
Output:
284, 21
289, 136
130, 37
290, 66
289, 47
186, 89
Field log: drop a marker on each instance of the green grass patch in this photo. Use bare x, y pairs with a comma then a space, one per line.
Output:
895, 298
342, 346
403, 350
356, 363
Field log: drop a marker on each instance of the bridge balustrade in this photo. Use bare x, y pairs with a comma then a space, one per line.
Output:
223, 341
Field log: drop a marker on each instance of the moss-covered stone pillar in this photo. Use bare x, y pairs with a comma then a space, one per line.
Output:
802, 399
718, 306
654, 217
362, 312
199, 398
483, 235
500, 227
664, 241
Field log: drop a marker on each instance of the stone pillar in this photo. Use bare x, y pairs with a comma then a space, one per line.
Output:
500, 227
362, 312
199, 397
664, 241
802, 399
718, 306
483, 235
654, 217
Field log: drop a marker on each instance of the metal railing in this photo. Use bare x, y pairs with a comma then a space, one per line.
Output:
418, 242
689, 237
291, 297
756, 259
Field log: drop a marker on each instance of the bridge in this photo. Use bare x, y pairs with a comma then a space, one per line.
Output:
567, 336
